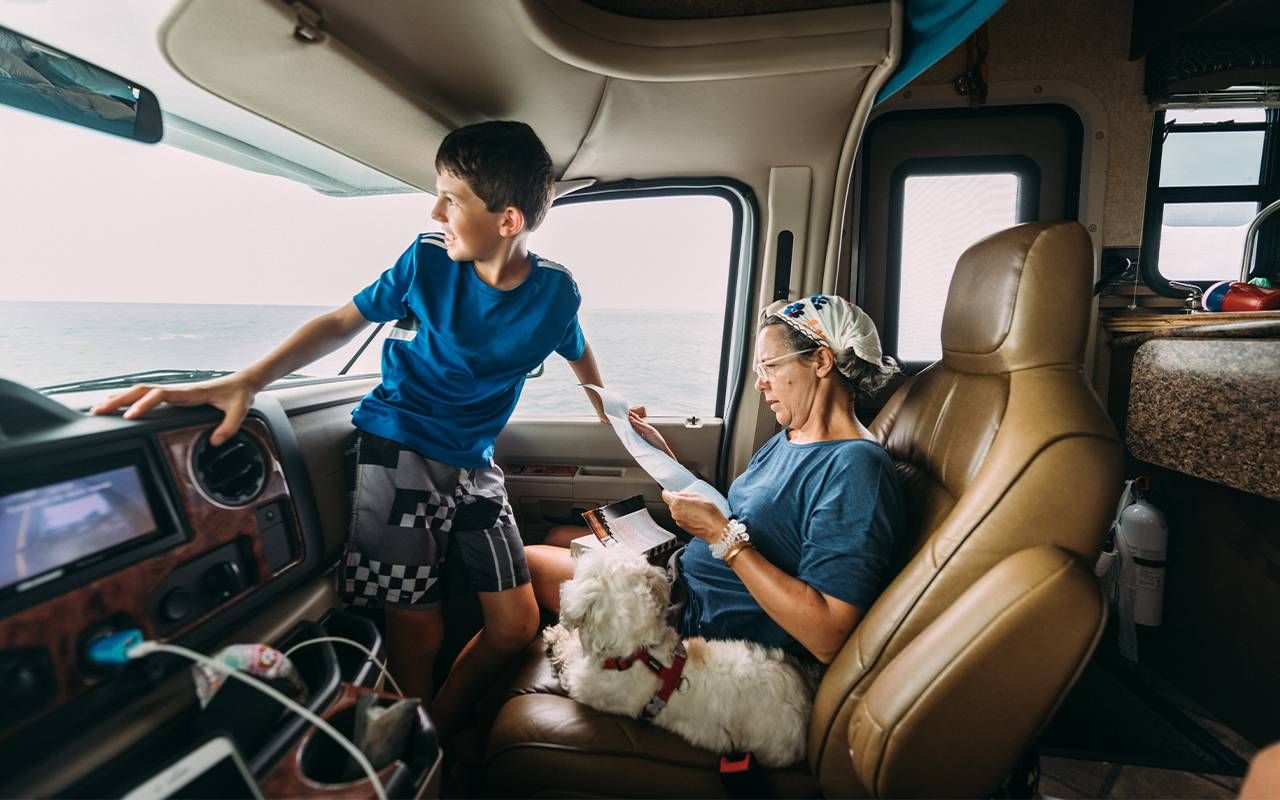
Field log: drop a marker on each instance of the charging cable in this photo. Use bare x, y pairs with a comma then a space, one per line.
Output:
127, 645
382, 665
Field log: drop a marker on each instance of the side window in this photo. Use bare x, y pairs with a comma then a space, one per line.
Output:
938, 208
654, 273
1208, 177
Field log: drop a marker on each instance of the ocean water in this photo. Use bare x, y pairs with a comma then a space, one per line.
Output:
667, 362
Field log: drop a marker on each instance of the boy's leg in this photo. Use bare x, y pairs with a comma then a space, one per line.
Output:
401, 505
510, 623
484, 529
414, 638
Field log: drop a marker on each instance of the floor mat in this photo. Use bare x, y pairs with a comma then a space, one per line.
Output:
1113, 715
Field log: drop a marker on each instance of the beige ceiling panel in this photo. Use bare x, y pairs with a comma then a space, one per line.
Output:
469, 60
737, 129
705, 49
394, 76
705, 9
682, 33
244, 51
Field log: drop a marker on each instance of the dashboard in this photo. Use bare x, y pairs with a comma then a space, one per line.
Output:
108, 525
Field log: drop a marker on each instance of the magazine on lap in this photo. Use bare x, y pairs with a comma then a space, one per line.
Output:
626, 523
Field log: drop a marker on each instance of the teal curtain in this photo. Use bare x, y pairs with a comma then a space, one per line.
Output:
933, 29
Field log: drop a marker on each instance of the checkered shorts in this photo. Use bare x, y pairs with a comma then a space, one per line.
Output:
405, 508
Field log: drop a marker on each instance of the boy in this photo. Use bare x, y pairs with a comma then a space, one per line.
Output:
482, 312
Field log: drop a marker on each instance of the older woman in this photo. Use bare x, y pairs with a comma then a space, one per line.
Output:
812, 531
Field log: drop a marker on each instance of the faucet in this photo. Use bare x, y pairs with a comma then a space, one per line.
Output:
1193, 295
1251, 238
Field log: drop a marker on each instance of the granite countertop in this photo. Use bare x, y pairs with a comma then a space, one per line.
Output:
1208, 406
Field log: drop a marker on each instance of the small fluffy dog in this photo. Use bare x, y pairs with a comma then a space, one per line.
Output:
731, 697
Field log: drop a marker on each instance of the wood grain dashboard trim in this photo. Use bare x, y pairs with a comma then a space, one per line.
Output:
61, 622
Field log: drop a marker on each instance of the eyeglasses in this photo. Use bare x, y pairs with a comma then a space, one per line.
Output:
762, 367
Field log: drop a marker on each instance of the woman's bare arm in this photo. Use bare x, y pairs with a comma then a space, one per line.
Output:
818, 621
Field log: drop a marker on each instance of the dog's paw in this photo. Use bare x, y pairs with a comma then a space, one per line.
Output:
554, 636
561, 646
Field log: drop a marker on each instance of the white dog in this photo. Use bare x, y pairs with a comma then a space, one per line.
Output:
731, 697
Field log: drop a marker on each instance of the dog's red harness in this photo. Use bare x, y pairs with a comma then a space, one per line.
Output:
670, 676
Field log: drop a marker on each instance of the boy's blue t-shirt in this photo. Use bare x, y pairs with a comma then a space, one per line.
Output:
451, 374
823, 512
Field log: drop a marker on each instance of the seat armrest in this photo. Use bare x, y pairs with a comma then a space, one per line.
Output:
952, 713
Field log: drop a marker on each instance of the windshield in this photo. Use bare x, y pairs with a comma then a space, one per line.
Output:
121, 258
128, 263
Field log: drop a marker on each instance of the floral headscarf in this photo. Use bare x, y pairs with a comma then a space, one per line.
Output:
831, 321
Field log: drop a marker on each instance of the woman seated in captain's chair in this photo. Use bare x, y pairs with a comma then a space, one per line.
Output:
814, 513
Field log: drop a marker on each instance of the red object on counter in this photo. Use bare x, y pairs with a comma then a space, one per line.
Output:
1247, 297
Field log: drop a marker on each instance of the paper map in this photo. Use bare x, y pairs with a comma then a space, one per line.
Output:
669, 474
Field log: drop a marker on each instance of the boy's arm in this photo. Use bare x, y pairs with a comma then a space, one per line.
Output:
587, 371
234, 393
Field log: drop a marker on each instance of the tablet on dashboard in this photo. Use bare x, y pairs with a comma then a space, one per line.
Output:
214, 769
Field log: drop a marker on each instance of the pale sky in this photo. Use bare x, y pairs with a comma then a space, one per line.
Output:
88, 217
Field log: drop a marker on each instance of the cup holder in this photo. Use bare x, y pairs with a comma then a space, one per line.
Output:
322, 761
353, 665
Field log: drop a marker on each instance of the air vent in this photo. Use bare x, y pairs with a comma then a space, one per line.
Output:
233, 473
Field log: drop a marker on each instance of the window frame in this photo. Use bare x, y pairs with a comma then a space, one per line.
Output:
743, 253
1264, 192
1028, 209
744, 211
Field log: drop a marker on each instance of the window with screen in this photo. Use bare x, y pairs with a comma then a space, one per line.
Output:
1211, 170
939, 207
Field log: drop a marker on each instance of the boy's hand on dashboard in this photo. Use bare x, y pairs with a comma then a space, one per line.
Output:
233, 395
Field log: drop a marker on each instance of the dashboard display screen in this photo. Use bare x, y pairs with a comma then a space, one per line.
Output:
62, 523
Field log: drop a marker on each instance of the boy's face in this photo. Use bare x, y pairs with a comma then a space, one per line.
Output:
471, 231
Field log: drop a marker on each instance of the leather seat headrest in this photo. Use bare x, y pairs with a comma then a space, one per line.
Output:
1020, 299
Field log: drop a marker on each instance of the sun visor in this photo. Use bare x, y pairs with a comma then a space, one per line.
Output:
195, 138
563, 188
246, 52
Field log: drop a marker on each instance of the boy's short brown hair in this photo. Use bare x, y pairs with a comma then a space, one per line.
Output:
505, 163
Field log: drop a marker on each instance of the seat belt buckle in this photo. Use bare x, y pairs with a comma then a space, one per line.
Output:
736, 764
740, 776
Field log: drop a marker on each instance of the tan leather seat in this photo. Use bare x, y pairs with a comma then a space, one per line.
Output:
1011, 470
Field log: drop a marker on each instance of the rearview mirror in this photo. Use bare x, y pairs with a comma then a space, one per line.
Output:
46, 81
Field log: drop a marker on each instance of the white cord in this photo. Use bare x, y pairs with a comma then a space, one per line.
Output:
146, 648
382, 665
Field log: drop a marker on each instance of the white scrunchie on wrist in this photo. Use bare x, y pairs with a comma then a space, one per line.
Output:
734, 533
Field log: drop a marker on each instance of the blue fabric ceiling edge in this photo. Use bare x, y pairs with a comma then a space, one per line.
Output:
934, 28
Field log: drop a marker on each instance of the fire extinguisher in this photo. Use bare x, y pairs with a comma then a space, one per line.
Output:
1134, 570
1141, 530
